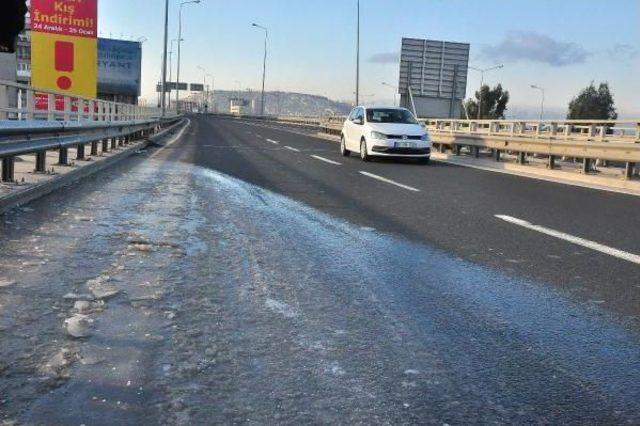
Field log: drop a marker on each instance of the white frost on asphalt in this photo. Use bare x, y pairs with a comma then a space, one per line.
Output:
281, 308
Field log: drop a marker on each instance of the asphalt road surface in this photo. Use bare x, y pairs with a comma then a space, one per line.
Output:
248, 273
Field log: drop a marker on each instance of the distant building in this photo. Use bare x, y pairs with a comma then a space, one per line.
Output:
240, 106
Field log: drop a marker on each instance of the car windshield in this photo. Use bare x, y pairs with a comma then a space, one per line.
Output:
390, 115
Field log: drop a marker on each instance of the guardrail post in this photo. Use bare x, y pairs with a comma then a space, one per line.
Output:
8, 164
522, 158
120, 140
496, 154
105, 145
551, 164
628, 170
476, 151
456, 149
94, 148
41, 161
80, 152
586, 165
4, 102
63, 157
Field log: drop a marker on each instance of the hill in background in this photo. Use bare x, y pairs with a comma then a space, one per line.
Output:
282, 103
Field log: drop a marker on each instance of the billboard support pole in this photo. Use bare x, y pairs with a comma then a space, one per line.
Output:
413, 104
453, 92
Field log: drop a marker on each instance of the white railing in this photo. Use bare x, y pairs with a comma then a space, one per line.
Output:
560, 130
22, 102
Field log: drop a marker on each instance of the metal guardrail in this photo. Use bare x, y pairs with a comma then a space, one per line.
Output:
54, 121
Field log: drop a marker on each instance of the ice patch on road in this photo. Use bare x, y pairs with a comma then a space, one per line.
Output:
281, 308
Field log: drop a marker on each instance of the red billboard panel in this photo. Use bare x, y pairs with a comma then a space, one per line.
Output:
77, 18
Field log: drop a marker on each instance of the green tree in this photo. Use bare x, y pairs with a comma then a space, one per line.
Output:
494, 103
593, 104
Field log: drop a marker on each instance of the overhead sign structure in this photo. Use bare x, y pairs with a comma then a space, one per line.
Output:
196, 87
64, 46
172, 85
119, 67
436, 72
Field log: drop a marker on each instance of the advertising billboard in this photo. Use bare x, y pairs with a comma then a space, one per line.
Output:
64, 46
119, 67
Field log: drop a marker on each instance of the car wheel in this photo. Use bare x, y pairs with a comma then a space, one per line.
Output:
343, 147
363, 151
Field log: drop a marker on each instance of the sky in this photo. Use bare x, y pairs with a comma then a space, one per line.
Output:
561, 45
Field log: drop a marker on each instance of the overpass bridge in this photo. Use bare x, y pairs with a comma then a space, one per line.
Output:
239, 269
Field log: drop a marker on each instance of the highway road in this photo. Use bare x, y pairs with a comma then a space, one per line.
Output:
260, 277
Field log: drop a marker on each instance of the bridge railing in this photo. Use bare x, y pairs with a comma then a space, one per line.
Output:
585, 130
22, 102
34, 121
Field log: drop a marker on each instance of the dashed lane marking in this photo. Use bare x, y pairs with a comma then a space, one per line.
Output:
273, 142
326, 160
630, 257
290, 148
389, 181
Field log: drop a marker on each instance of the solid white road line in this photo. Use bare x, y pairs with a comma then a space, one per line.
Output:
326, 160
290, 148
273, 142
630, 257
382, 179
173, 140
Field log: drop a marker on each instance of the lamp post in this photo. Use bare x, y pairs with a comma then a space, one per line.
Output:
541, 89
171, 66
482, 71
370, 95
264, 64
179, 43
395, 90
164, 57
358, 56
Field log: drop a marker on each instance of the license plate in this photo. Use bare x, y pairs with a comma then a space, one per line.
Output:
405, 145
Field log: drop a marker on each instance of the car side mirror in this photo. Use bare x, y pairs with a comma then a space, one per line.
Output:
358, 121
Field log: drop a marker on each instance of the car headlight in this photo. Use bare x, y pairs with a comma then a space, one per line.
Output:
378, 135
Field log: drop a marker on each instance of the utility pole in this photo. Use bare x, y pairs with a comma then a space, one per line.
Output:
180, 43
264, 64
358, 58
164, 57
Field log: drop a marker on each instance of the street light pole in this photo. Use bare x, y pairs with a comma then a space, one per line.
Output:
482, 71
164, 57
358, 58
395, 90
171, 68
179, 43
264, 64
541, 89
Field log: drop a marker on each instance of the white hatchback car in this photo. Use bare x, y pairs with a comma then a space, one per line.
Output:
385, 132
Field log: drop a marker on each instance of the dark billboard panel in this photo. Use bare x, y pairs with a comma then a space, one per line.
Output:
119, 67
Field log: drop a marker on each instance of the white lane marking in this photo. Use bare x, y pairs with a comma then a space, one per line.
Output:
290, 148
630, 257
273, 142
326, 160
259, 136
382, 179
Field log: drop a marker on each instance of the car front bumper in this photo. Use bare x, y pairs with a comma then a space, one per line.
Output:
400, 152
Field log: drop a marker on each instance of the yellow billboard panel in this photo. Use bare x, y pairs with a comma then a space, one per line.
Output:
67, 64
